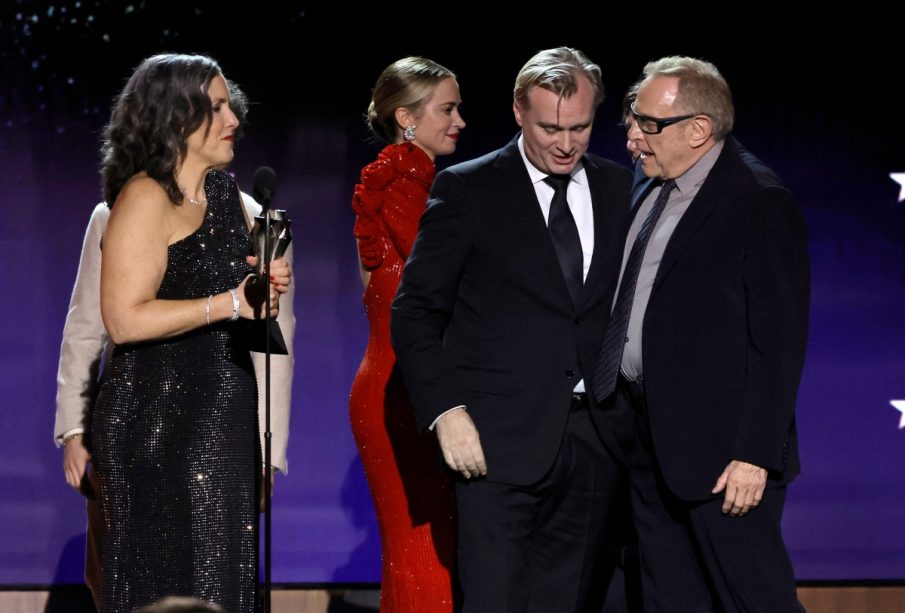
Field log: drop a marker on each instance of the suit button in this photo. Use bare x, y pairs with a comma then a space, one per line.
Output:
577, 320
570, 374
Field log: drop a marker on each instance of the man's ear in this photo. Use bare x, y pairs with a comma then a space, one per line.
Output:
518, 113
701, 130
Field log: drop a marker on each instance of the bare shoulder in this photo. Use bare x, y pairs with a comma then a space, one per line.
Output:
142, 206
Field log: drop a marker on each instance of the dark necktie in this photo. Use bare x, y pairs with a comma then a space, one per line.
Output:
614, 337
564, 233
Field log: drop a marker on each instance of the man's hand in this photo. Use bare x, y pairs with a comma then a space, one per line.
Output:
744, 484
75, 461
461, 444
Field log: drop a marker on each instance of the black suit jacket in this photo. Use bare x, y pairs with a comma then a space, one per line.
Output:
483, 317
726, 327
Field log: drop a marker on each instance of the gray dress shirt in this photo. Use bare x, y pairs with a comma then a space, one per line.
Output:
687, 187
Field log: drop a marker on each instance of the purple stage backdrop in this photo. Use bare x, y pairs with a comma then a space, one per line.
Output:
63, 62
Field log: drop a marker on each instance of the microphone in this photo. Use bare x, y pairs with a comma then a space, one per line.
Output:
265, 183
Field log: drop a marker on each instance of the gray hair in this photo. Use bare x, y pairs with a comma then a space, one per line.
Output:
702, 89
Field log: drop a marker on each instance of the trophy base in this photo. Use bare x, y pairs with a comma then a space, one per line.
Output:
254, 335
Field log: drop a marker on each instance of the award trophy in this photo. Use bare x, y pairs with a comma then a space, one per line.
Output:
277, 240
270, 238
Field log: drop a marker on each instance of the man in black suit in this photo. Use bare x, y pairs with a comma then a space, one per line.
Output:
496, 327
713, 295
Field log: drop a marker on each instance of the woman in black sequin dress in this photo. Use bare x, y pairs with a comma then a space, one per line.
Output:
174, 433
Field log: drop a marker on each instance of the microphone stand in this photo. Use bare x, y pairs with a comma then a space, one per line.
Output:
268, 248
267, 434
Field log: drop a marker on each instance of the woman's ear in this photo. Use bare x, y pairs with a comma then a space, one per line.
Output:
404, 118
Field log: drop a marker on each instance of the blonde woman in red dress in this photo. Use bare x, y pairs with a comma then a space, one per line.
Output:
415, 111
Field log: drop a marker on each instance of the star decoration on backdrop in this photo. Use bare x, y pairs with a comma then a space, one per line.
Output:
899, 177
899, 405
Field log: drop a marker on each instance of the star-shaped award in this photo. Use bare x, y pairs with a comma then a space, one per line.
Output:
899, 177
899, 405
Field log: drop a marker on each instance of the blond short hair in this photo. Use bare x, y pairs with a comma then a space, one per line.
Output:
558, 70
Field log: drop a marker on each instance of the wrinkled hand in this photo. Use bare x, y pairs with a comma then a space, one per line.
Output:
744, 484
252, 289
461, 444
75, 461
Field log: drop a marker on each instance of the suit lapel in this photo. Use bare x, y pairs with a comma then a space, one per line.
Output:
602, 230
640, 189
608, 237
695, 216
532, 227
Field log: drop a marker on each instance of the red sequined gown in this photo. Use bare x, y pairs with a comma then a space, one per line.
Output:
411, 490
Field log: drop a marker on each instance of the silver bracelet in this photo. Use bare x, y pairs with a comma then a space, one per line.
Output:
207, 311
71, 437
235, 294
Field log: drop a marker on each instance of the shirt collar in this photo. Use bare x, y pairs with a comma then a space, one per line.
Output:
695, 175
536, 175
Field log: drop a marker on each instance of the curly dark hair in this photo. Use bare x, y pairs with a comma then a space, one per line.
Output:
164, 101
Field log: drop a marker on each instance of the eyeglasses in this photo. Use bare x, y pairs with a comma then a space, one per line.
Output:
652, 125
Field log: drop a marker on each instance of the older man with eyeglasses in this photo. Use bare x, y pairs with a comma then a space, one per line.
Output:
706, 344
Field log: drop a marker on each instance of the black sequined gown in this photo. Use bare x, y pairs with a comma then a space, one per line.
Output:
175, 439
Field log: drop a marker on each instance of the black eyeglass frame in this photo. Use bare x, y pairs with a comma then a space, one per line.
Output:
660, 123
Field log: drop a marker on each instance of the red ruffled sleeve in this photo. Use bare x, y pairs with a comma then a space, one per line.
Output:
389, 202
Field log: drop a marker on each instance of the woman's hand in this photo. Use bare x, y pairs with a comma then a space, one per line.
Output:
252, 289
280, 272
281, 275
75, 460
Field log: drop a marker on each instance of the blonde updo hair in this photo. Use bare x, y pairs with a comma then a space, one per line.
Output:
406, 83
